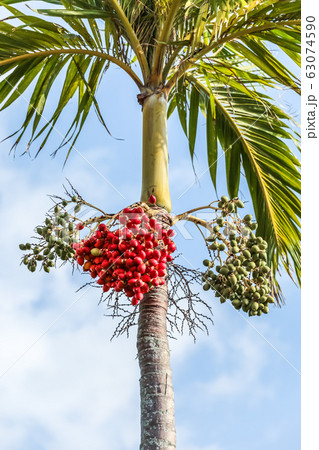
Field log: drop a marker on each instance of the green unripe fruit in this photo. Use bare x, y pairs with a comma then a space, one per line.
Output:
221, 204
270, 299
222, 300
51, 256
25, 260
50, 264
266, 310
237, 263
248, 217
256, 296
36, 250
254, 306
205, 262
263, 256
64, 203
218, 268
226, 292
251, 265
265, 269
214, 246
241, 270
246, 301
236, 303
255, 249
28, 246
233, 279
222, 247
246, 254
210, 273
46, 269
40, 231
224, 199
74, 199
235, 249
262, 246
46, 251
206, 287
239, 204
211, 238
220, 221
231, 267
77, 208
22, 247
231, 207
233, 243
96, 252
56, 209
217, 294
253, 226
240, 290
33, 268
245, 308
40, 258
224, 270
216, 228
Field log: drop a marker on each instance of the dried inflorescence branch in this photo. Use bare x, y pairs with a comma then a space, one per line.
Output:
186, 309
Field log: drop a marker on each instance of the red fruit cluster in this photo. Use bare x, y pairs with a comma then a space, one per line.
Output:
131, 258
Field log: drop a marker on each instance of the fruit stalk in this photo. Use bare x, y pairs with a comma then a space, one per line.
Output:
155, 151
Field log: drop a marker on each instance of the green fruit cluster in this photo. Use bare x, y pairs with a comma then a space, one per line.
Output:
243, 277
55, 238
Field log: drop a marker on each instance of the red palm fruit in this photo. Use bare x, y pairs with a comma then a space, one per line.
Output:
126, 210
102, 227
80, 260
164, 252
149, 253
137, 260
122, 246
141, 254
163, 233
98, 234
155, 282
144, 288
148, 236
152, 199
158, 227
141, 268
155, 243
122, 219
86, 249
122, 276
105, 264
161, 281
136, 220
163, 259
106, 288
99, 243
148, 244
156, 254
132, 281
129, 274
146, 278
145, 218
139, 283
79, 226
171, 247
152, 262
161, 273
134, 301
135, 230
169, 258
141, 233
139, 296
87, 265
161, 266
137, 274
129, 262
170, 233
153, 273
152, 222
100, 281
133, 243
87, 257
129, 293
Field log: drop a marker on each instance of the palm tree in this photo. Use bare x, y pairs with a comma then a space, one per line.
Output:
209, 55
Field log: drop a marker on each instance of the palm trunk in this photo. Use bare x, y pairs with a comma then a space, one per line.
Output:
156, 389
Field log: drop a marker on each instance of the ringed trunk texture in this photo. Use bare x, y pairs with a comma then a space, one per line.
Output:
156, 389
155, 151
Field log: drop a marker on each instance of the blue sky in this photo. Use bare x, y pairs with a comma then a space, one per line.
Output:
64, 385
